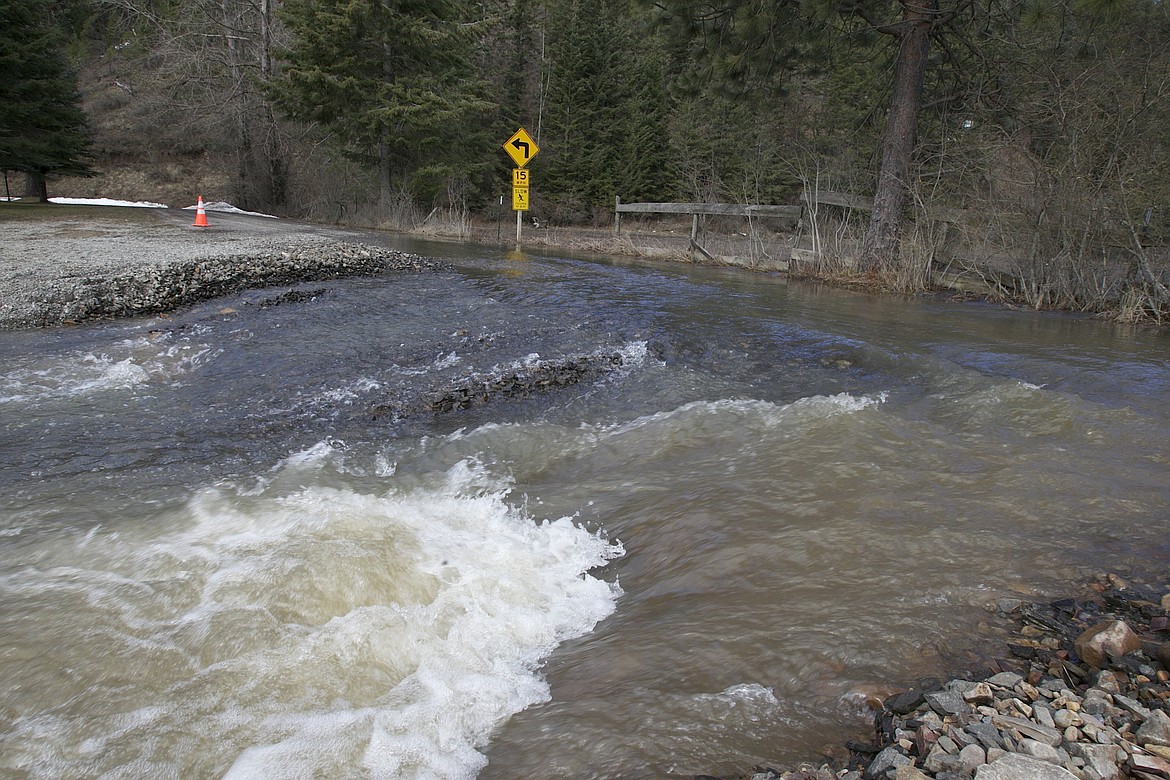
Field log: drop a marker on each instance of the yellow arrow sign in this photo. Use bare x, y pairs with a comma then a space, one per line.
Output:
520, 147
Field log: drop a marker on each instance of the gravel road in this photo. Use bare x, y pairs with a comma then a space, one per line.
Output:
100, 262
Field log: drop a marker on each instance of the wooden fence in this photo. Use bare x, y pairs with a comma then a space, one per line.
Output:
809, 204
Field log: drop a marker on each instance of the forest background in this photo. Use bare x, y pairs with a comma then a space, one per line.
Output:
1043, 124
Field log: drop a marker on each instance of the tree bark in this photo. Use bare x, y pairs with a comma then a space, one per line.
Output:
880, 246
36, 186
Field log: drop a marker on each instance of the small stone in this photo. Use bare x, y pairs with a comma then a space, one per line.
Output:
1129, 705
1107, 681
1166, 601
1014, 766
924, 739
1029, 729
939, 760
1154, 766
904, 703
1101, 760
1156, 729
884, 761
972, 756
1159, 750
980, 694
1096, 644
909, 773
947, 703
1163, 654
1030, 747
986, 733
1065, 718
948, 744
1005, 680
1043, 716
1025, 709
995, 754
1028, 691
1095, 706
1072, 734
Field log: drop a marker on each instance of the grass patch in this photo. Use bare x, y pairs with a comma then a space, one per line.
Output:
30, 211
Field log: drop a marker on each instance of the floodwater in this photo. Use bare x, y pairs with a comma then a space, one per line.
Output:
234, 542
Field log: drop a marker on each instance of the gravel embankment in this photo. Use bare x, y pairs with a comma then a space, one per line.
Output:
63, 271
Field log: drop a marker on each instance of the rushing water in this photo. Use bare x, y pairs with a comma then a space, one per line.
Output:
234, 542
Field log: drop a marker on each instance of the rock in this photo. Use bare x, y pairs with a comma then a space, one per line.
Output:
1096, 644
947, 703
1163, 654
904, 703
1102, 759
909, 773
1166, 602
1151, 765
1043, 716
1062, 719
971, 757
1155, 730
980, 694
1128, 704
886, 760
1107, 681
986, 733
1029, 729
1005, 680
1013, 766
1039, 750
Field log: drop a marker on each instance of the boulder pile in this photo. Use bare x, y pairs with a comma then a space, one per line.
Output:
1084, 695
533, 377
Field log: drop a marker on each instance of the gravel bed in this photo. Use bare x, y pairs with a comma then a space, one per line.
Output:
62, 272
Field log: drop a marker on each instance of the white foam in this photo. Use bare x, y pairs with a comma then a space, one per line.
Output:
753, 411
307, 631
125, 366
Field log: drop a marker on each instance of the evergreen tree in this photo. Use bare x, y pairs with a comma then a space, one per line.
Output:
390, 80
43, 130
607, 127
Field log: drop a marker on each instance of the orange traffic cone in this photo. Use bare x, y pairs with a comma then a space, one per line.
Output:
200, 214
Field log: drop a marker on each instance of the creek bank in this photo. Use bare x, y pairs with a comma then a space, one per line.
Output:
144, 288
1083, 693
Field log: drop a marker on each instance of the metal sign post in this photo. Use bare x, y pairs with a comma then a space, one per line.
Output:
521, 148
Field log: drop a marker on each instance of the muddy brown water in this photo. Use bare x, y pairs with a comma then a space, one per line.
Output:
233, 542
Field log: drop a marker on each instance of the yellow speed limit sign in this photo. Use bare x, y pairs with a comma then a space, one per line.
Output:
519, 199
520, 177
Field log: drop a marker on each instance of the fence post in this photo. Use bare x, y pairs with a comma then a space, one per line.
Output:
617, 216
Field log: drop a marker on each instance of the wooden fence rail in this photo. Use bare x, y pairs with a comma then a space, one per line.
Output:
843, 200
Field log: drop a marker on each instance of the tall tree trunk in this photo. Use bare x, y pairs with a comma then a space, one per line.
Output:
37, 187
385, 155
880, 246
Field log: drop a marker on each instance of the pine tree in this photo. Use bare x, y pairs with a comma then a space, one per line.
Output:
607, 128
43, 130
391, 81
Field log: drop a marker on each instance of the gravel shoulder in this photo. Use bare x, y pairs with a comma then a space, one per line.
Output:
74, 264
